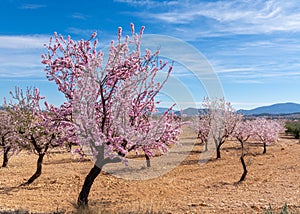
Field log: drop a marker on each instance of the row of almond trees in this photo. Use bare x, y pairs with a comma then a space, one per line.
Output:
220, 122
108, 110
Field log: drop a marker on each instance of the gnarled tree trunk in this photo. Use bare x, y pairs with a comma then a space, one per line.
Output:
265, 148
218, 147
82, 200
88, 182
41, 153
147, 160
5, 155
38, 171
218, 150
244, 167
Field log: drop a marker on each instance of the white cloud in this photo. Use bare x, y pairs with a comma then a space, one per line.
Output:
32, 6
19, 64
79, 16
83, 33
23, 42
135, 2
231, 17
248, 81
232, 70
20, 56
280, 44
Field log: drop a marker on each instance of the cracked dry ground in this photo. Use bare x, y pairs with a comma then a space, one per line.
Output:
273, 180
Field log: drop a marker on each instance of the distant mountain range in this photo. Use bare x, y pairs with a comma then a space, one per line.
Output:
275, 109
279, 108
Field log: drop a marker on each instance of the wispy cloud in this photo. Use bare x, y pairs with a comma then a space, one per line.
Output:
103, 36
20, 64
79, 16
289, 44
233, 70
23, 42
20, 56
249, 81
32, 6
231, 17
83, 33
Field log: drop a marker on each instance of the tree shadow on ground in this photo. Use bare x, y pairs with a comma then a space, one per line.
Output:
65, 161
8, 190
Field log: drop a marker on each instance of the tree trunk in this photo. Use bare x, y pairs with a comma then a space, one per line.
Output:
206, 146
242, 145
218, 147
218, 144
5, 155
82, 200
218, 153
265, 148
244, 167
89, 180
148, 160
38, 170
69, 147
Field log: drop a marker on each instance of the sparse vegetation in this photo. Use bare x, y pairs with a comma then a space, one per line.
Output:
284, 210
293, 127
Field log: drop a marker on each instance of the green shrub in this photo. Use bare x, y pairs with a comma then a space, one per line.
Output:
293, 127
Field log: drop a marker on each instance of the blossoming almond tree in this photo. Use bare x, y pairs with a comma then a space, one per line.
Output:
266, 131
113, 102
243, 132
35, 127
201, 126
223, 120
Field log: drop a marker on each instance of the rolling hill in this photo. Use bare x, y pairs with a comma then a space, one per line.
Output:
275, 109
279, 108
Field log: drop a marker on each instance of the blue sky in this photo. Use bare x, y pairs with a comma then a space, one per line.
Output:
253, 46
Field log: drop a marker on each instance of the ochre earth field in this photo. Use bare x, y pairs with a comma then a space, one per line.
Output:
194, 186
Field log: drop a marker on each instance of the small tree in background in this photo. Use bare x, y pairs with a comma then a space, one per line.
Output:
223, 120
201, 126
266, 131
114, 101
243, 132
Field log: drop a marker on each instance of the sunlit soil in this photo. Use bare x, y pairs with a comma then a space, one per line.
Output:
200, 184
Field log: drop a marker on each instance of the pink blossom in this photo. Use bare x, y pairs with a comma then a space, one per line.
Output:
113, 103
